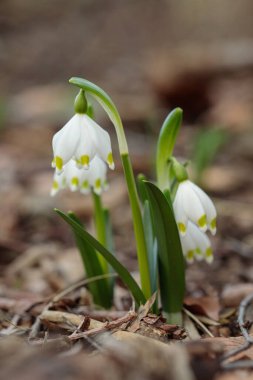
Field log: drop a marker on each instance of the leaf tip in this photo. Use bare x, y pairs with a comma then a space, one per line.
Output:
74, 81
71, 80
177, 112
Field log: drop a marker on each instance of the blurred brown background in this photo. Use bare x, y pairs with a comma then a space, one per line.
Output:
150, 56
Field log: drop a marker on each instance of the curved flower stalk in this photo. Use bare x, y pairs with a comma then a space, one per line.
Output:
192, 203
196, 244
81, 139
85, 180
109, 107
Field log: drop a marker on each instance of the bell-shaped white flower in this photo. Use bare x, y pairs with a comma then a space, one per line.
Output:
192, 203
81, 139
81, 179
196, 244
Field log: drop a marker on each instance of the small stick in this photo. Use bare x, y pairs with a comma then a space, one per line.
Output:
248, 339
195, 319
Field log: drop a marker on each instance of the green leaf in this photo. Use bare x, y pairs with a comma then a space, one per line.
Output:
151, 246
109, 245
150, 239
108, 231
100, 226
141, 187
165, 146
126, 277
100, 290
171, 260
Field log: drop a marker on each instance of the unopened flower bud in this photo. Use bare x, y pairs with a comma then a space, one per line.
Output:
178, 170
80, 104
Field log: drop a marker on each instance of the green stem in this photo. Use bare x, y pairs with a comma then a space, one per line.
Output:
175, 318
100, 226
138, 226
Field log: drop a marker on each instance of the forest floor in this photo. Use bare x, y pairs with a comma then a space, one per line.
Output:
48, 321
49, 327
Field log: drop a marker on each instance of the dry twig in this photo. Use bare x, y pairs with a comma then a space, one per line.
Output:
248, 339
195, 319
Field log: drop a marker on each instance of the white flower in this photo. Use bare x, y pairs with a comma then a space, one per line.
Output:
192, 203
72, 175
59, 183
96, 176
81, 139
81, 179
196, 244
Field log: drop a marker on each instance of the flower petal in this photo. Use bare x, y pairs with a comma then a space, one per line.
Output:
65, 142
102, 142
59, 182
73, 175
201, 241
188, 247
208, 206
85, 187
86, 148
192, 205
97, 174
180, 215
209, 255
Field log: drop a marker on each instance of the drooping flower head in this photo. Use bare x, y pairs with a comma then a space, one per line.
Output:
195, 214
84, 180
192, 203
81, 139
196, 244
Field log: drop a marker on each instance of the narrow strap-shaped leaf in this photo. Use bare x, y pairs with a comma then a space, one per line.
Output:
109, 245
165, 146
126, 277
100, 289
108, 230
171, 260
100, 227
152, 251
151, 245
141, 188
168, 197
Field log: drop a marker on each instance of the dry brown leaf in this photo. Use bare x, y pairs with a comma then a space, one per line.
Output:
209, 306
